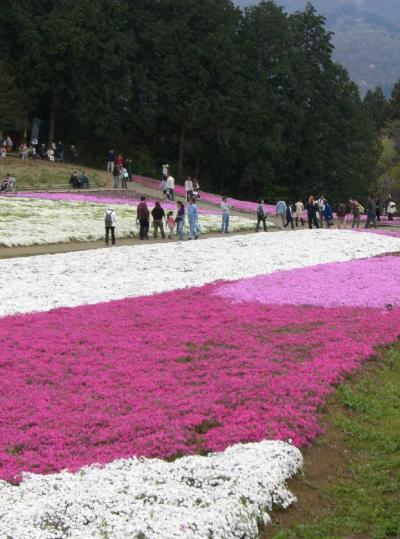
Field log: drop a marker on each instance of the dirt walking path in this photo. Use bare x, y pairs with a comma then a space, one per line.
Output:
53, 248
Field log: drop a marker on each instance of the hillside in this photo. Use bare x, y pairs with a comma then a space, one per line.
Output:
367, 37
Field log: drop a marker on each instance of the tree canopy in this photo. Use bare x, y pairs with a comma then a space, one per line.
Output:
250, 101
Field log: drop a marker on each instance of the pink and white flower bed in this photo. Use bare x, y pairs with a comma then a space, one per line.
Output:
226, 346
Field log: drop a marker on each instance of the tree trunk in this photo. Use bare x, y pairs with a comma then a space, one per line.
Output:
52, 122
181, 152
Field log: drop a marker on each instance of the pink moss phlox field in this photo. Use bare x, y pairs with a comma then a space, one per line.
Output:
371, 282
242, 205
176, 373
391, 233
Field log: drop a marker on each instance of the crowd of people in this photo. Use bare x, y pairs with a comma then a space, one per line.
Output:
162, 222
35, 151
121, 169
320, 214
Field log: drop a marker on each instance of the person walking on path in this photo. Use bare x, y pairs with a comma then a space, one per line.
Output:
389, 202
110, 161
261, 215
391, 210
188, 188
170, 186
110, 221
289, 216
225, 208
158, 215
312, 213
328, 214
143, 215
378, 209
299, 211
355, 212
321, 208
371, 213
180, 219
170, 224
193, 216
341, 214
281, 213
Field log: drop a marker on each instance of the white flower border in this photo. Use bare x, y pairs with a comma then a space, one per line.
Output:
41, 283
222, 496
30, 221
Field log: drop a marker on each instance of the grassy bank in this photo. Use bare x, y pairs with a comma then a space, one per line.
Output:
46, 175
351, 486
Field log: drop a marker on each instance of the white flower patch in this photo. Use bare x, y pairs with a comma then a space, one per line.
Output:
30, 221
222, 496
44, 282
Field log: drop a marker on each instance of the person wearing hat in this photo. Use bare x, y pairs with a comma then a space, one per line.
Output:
110, 221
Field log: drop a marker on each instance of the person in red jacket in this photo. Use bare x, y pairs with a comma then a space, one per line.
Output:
119, 160
142, 217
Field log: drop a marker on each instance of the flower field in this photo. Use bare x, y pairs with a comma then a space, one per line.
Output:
121, 369
62, 217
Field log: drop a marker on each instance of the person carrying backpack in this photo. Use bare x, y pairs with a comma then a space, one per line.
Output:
110, 221
261, 215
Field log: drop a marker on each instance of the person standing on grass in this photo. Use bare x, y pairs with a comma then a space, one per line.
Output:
261, 215
180, 219
124, 177
128, 165
328, 214
281, 213
116, 176
371, 213
158, 215
142, 217
312, 213
193, 216
110, 221
225, 208
299, 210
110, 161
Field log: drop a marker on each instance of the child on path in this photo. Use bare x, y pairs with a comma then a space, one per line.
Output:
170, 224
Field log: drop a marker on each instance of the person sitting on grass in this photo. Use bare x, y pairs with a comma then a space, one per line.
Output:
9, 183
74, 180
83, 180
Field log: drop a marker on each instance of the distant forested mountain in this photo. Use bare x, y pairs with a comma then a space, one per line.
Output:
367, 37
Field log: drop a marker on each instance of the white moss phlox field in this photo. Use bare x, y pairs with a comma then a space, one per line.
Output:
41, 283
222, 495
30, 221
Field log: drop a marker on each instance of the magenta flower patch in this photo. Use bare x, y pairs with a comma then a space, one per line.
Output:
372, 282
182, 372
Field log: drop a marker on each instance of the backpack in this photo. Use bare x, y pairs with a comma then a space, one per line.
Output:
108, 219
